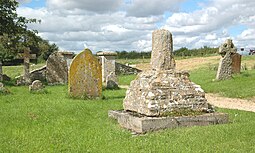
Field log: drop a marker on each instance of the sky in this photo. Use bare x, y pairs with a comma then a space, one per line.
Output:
117, 25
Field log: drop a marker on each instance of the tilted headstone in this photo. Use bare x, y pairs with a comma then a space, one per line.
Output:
225, 69
36, 86
108, 64
26, 56
56, 69
162, 90
85, 76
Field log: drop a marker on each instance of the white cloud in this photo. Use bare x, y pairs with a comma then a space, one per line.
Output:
99, 6
118, 25
143, 8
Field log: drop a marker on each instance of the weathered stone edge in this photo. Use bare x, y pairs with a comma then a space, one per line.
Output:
146, 124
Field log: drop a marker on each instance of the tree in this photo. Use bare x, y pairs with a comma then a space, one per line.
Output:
14, 33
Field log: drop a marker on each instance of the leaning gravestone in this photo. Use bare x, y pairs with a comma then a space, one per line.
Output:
36, 85
85, 76
230, 62
157, 95
56, 69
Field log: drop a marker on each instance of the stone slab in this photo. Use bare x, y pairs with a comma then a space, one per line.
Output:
85, 76
145, 124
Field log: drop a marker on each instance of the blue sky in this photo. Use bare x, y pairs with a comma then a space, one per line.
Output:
128, 24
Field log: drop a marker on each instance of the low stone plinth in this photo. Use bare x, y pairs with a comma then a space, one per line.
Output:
143, 124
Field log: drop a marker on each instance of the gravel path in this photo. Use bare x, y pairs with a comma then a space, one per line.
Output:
231, 103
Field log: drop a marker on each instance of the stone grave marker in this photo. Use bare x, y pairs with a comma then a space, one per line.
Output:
156, 97
26, 56
85, 76
56, 69
108, 64
230, 62
36, 86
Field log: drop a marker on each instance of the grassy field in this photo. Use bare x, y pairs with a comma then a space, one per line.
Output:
13, 71
241, 86
55, 123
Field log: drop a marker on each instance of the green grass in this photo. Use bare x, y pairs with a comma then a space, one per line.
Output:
126, 79
13, 71
53, 122
241, 86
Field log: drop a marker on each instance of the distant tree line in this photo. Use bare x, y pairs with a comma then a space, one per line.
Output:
204, 51
132, 55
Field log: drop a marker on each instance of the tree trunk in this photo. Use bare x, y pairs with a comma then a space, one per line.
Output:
1, 71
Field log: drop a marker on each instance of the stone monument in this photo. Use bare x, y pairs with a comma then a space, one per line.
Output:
230, 62
107, 59
157, 95
26, 56
85, 76
56, 69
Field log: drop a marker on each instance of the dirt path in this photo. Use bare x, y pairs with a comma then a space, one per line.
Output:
187, 64
231, 103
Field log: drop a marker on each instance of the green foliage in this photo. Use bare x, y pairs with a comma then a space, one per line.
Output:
15, 35
133, 55
205, 51
54, 123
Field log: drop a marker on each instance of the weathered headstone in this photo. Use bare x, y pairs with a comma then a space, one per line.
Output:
111, 81
36, 86
225, 69
68, 57
108, 64
56, 69
236, 63
156, 97
26, 56
85, 76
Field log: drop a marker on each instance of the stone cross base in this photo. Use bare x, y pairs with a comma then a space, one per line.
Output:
145, 124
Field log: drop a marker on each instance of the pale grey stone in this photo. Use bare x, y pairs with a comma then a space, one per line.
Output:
225, 69
143, 124
36, 86
111, 81
162, 50
107, 60
56, 69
